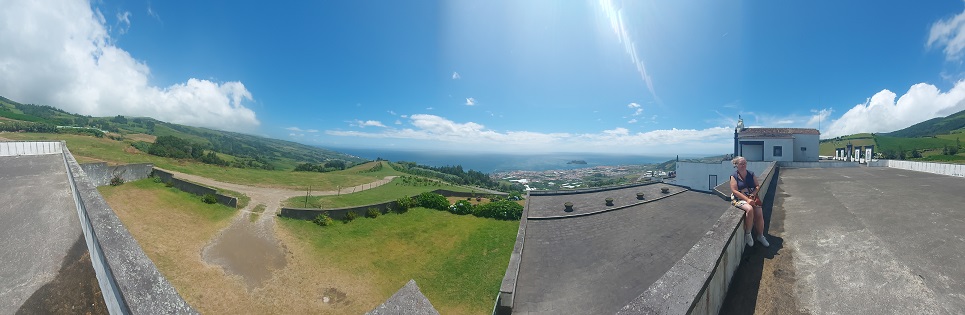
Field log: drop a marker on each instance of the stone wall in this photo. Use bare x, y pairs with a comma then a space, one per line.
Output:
196, 189
385, 207
100, 173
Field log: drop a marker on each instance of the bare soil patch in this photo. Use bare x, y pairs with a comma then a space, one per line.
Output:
142, 137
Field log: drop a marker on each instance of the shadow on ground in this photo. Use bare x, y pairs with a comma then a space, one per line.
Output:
764, 281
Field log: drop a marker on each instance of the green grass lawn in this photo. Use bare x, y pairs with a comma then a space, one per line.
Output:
457, 261
156, 195
87, 149
388, 192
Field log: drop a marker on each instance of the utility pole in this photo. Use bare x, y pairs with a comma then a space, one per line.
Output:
308, 194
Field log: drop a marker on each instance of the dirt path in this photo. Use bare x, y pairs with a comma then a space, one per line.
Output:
251, 249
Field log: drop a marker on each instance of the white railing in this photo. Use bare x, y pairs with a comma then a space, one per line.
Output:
18, 148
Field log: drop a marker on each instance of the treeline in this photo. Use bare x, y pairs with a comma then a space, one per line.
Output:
327, 166
455, 175
26, 126
174, 147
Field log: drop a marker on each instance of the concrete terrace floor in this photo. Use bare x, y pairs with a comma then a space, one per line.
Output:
598, 263
46, 266
858, 241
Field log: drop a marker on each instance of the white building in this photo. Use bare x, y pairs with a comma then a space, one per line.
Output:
776, 144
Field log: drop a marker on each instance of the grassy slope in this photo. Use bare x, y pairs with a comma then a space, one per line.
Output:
89, 149
388, 192
457, 261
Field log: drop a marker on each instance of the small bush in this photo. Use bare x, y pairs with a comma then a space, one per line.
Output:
209, 199
116, 181
169, 184
461, 207
350, 216
323, 219
372, 213
404, 204
156, 179
500, 210
433, 201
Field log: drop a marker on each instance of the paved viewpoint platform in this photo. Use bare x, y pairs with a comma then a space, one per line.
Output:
46, 265
868, 240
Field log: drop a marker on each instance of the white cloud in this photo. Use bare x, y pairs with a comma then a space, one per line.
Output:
404, 116
819, 117
614, 16
123, 21
632, 121
949, 33
633, 105
296, 129
455, 75
784, 122
881, 113
618, 140
398, 122
367, 123
152, 13
392, 113
64, 57
470, 101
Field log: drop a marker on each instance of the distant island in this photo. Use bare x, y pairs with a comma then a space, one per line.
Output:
576, 162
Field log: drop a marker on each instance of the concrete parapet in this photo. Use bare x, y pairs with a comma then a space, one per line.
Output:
100, 173
957, 170
196, 189
698, 282
15, 148
129, 280
507, 288
787, 164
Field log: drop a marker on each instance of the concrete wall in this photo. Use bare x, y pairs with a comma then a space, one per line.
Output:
385, 207
698, 282
100, 174
507, 288
817, 164
128, 279
696, 176
15, 148
196, 189
810, 144
957, 170
787, 149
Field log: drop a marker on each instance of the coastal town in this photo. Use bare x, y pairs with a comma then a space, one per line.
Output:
583, 177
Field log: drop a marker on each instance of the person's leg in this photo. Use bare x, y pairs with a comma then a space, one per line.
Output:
759, 226
748, 223
759, 220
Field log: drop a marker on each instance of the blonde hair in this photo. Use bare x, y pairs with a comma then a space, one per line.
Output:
737, 159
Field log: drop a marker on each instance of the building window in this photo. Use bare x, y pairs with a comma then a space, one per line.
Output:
804, 148
778, 150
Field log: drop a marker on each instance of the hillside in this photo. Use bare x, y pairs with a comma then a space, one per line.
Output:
237, 148
932, 127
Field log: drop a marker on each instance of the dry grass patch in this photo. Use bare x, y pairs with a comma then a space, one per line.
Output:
142, 137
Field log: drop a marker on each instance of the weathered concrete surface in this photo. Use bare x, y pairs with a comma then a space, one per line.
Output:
407, 301
598, 263
866, 241
39, 229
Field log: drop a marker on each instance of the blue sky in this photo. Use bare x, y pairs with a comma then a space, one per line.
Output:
627, 77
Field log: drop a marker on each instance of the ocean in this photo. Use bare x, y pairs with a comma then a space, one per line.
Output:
493, 162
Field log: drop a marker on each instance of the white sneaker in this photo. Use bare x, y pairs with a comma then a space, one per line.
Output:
763, 240
749, 239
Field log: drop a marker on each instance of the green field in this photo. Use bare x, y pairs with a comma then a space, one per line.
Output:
168, 197
388, 192
457, 261
90, 149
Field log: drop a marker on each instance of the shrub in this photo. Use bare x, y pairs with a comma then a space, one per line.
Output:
373, 213
116, 180
500, 210
351, 215
209, 199
323, 219
404, 204
433, 201
461, 207
156, 179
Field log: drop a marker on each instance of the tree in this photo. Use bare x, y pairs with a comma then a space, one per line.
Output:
119, 119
